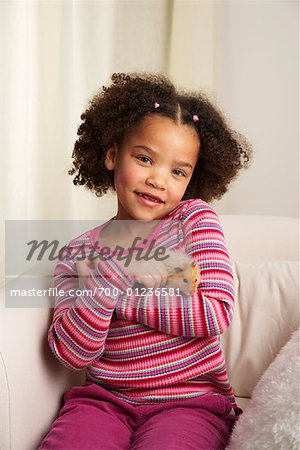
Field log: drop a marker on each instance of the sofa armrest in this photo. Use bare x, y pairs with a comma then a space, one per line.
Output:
5, 406
266, 306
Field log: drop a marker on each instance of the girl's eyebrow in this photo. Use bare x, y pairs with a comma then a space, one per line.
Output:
178, 162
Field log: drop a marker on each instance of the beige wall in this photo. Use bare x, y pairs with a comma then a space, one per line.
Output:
191, 54
257, 84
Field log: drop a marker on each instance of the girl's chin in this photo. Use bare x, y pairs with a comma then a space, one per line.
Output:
142, 211
146, 215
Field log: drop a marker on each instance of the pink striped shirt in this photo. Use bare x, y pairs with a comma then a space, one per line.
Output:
151, 348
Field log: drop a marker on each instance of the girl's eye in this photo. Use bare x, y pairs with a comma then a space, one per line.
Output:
144, 159
179, 173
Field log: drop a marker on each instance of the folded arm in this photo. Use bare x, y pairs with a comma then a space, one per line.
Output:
82, 316
206, 313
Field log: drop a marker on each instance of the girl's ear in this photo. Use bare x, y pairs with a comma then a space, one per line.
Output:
110, 157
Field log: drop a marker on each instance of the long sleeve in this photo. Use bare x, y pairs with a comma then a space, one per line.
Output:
206, 313
81, 322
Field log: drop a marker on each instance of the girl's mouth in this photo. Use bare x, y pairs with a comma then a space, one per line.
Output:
147, 199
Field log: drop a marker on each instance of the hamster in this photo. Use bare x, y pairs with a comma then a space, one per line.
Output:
183, 272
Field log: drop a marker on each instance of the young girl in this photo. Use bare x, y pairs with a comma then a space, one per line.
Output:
156, 375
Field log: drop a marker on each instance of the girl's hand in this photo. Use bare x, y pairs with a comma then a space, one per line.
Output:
84, 269
152, 274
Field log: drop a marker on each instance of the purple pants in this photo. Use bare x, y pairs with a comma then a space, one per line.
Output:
92, 418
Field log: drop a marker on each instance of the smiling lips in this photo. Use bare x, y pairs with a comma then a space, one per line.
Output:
150, 197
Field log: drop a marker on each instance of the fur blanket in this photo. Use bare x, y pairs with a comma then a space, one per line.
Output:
271, 419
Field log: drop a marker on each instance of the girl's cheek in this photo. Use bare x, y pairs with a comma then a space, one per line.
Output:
131, 173
180, 192
128, 176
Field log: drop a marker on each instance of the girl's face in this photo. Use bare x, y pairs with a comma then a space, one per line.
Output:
153, 167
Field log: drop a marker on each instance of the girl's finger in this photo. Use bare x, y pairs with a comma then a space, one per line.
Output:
84, 270
161, 274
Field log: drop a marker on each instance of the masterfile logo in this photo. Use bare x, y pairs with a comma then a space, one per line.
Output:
34, 248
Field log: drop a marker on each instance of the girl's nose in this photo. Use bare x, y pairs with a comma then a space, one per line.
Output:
158, 181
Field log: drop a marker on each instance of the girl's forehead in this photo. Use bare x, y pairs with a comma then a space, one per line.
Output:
157, 124
164, 136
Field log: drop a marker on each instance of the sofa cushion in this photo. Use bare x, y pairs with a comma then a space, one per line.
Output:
271, 420
266, 313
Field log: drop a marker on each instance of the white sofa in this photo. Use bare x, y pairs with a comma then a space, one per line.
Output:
264, 251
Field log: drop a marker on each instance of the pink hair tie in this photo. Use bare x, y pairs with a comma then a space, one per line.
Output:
195, 118
156, 105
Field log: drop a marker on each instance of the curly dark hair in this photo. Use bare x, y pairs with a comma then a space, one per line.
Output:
116, 109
